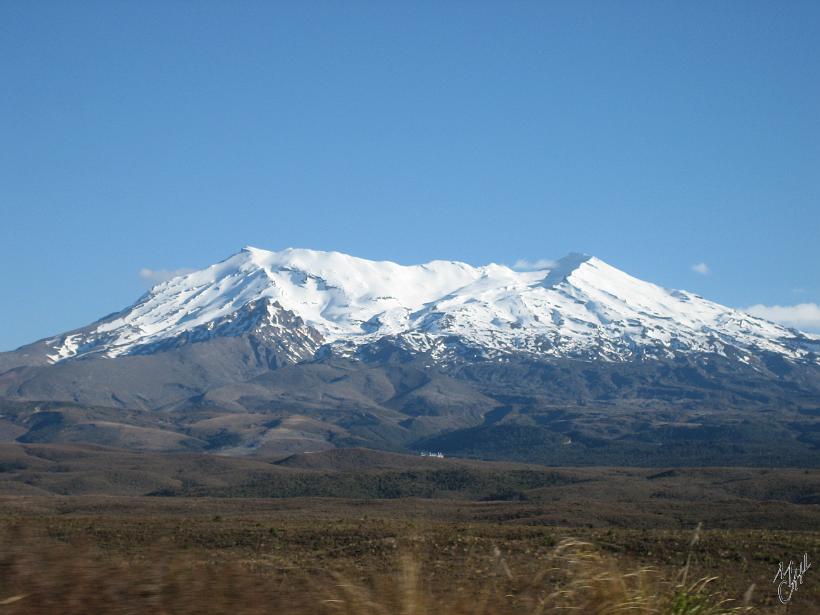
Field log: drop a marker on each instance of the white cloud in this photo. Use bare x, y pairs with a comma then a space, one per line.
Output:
155, 276
805, 316
522, 264
701, 268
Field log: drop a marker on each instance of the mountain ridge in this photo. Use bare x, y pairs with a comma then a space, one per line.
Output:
580, 307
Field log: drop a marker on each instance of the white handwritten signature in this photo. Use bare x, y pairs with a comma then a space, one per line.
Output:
790, 578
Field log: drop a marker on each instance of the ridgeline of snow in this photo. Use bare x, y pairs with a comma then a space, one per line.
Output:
581, 307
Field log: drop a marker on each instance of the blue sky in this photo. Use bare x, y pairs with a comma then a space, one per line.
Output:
658, 136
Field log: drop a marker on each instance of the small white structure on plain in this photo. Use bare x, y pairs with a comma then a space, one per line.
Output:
439, 454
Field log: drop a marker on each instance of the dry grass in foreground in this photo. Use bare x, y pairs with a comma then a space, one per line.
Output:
41, 576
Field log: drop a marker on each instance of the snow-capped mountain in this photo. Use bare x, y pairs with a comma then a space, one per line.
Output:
271, 353
302, 301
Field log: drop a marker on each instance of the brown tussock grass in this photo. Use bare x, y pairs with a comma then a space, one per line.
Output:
41, 575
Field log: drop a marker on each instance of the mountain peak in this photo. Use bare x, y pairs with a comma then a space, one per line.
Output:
565, 267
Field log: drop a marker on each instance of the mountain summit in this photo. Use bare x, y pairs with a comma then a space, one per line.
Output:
306, 300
